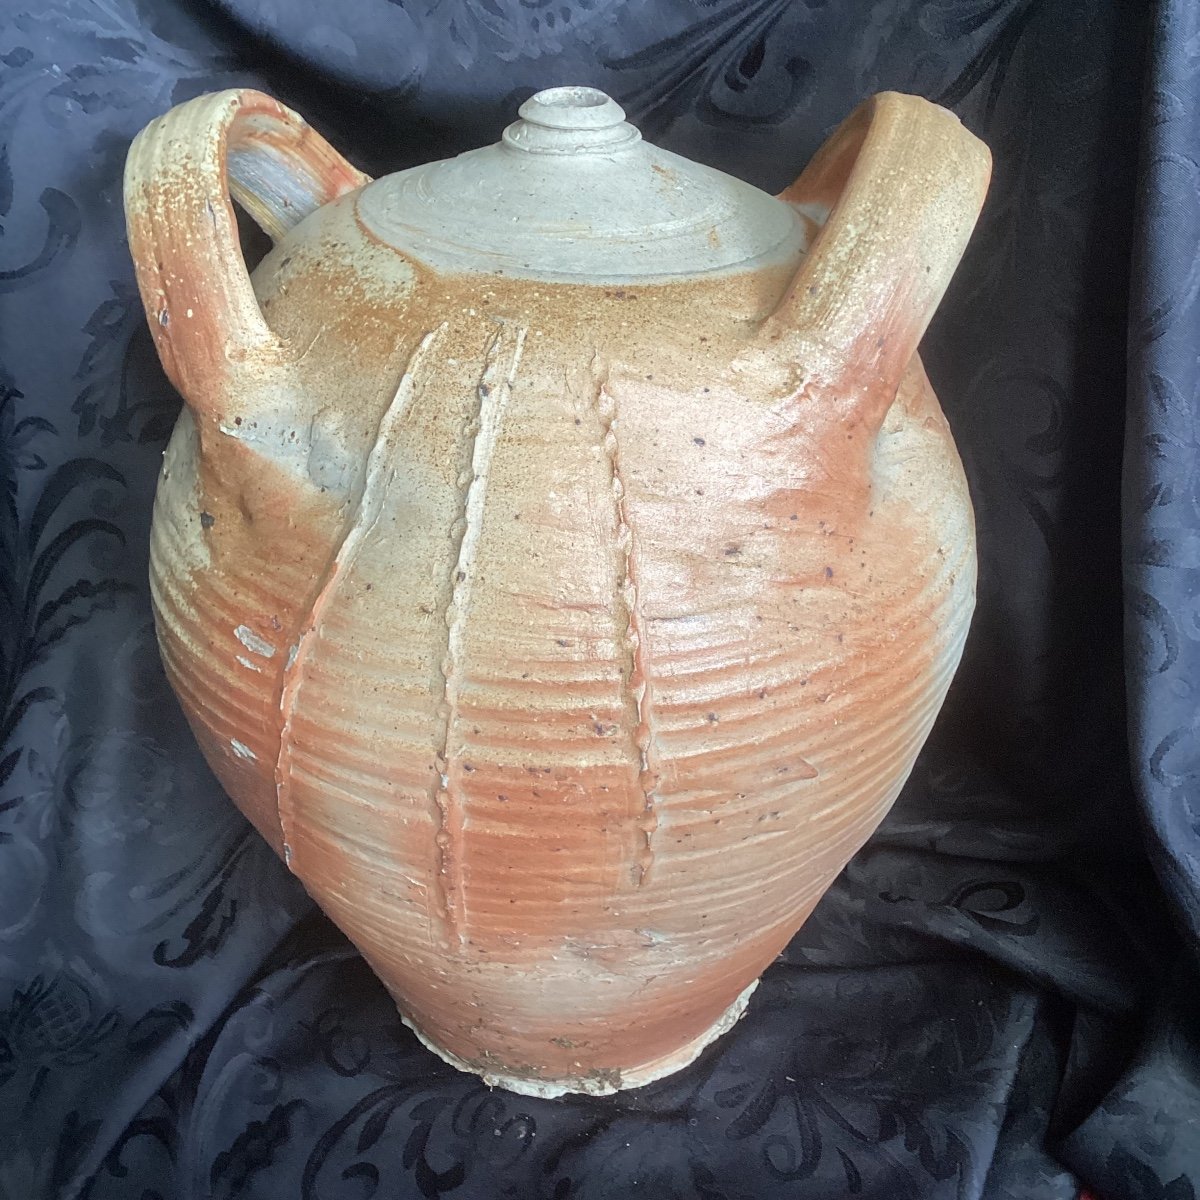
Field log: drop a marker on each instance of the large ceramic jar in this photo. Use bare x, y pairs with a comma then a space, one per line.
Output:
561, 557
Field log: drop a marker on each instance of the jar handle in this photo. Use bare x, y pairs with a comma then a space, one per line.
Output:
899, 186
181, 173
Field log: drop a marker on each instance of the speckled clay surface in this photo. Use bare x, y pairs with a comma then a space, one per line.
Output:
569, 611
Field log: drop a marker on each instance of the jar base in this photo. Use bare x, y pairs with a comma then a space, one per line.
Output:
602, 1083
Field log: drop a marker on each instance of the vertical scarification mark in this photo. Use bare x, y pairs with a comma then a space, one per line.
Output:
480, 436
637, 673
377, 480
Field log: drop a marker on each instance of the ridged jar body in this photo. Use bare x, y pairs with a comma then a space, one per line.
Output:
566, 643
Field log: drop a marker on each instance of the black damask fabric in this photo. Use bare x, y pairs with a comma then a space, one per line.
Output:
998, 996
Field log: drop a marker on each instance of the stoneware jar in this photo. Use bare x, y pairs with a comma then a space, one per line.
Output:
561, 557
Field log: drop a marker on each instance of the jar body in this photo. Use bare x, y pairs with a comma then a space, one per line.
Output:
565, 647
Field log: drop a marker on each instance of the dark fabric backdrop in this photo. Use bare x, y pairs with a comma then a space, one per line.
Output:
998, 997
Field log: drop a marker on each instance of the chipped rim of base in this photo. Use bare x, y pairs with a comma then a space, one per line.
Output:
549, 1089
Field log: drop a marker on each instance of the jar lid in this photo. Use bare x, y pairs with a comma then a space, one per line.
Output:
573, 193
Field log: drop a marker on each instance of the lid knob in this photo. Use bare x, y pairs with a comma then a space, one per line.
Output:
570, 120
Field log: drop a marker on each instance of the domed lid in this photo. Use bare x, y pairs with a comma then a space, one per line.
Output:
573, 193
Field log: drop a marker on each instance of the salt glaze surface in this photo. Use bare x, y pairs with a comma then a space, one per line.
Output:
562, 556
